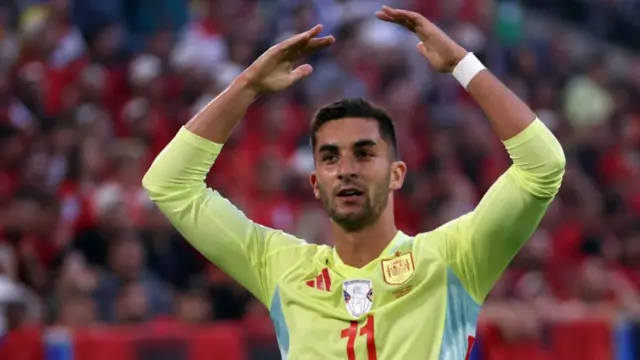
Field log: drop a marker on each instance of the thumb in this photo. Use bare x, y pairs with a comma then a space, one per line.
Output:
301, 72
422, 49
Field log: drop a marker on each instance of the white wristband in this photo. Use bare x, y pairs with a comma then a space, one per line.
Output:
467, 69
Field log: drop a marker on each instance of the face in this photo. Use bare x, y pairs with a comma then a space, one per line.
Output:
127, 258
355, 174
23, 213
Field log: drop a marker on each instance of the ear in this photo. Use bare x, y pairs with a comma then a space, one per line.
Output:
313, 180
398, 172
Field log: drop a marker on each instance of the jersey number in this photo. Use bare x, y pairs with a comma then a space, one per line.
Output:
366, 330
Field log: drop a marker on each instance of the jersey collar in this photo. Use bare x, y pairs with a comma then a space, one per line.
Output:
349, 271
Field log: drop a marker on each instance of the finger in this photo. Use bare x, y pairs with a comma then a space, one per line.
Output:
323, 41
386, 9
384, 16
392, 15
410, 15
300, 39
300, 72
409, 19
388, 14
317, 44
417, 19
406, 24
402, 14
427, 51
422, 49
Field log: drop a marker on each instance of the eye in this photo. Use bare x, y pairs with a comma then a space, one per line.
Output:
329, 158
363, 154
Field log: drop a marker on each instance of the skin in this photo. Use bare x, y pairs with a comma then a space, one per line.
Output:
361, 229
350, 153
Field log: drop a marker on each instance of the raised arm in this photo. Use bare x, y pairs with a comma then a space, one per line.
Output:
478, 246
175, 180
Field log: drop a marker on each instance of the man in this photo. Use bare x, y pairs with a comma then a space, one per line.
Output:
379, 294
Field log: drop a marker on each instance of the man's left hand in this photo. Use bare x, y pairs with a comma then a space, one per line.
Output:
442, 51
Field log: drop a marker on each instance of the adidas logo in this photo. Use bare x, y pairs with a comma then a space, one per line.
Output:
322, 281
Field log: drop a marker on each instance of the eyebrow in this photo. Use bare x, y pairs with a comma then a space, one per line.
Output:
362, 143
328, 148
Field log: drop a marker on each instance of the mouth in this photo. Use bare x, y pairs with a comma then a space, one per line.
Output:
350, 194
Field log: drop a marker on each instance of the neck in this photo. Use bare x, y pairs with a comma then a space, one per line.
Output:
358, 248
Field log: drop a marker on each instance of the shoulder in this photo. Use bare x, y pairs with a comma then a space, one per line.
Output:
448, 230
438, 240
283, 243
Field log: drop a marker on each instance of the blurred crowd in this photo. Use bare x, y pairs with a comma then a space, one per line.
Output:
92, 90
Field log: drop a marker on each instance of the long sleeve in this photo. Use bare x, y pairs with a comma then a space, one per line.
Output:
478, 246
214, 226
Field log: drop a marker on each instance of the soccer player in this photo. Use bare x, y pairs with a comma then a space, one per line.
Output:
379, 293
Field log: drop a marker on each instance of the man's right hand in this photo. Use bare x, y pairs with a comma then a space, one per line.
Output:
274, 71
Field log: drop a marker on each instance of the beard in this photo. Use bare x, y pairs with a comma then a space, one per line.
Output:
375, 199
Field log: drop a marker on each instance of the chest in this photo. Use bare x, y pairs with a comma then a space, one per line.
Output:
321, 302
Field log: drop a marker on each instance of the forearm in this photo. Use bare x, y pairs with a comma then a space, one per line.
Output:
216, 120
508, 115
489, 237
175, 180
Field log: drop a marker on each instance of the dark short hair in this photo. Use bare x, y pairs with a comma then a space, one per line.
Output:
355, 108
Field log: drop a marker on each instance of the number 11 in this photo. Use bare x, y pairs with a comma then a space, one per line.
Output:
352, 332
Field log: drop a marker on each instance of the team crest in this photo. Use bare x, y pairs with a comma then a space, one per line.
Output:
398, 270
358, 296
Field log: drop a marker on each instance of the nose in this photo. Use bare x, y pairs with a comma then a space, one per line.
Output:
347, 169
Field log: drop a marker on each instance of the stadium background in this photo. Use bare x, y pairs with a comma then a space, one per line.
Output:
91, 90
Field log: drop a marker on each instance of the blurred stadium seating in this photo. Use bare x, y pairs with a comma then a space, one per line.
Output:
91, 90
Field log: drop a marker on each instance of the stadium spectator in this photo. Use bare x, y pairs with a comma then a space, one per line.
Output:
90, 91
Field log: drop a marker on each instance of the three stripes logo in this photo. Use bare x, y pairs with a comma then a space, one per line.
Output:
322, 281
